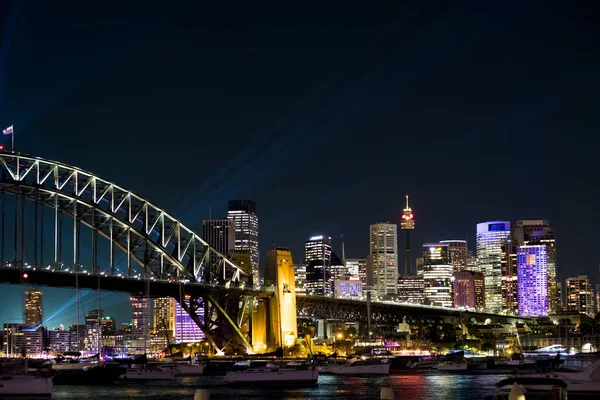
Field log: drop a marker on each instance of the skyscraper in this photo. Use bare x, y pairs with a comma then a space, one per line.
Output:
532, 232
164, 315
243, 215
140, 316
532, 280
33, 307
407, 224
384, 253
317, 257
219, 234
510, 287
468, 290
458, 254
580, 295
437, 275
411, 289
490, 237
186, 330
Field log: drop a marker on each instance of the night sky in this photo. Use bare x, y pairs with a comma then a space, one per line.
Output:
326, 116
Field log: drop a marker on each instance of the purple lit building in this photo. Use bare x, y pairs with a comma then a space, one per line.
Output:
532, 280
186, 330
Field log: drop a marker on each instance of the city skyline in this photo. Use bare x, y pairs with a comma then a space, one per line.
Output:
411, 103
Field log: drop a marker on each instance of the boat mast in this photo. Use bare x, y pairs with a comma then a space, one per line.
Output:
99, 323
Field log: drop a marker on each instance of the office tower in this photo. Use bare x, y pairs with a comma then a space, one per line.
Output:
317, 257
339, 271
219, 234
384, 254
407, 224
140, 316
91, 336
532, 280
534, 232
411, 289
300, 278
490, 237
510, 287
243, 215
458, 254
186, 330
357, 267
437, 275
472, 262
468, 290
419, 266
349, 287
279, 273
580, 296
164, 315
22, 340
33, 307
58, 340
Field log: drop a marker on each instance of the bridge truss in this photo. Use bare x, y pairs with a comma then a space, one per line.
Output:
151, 239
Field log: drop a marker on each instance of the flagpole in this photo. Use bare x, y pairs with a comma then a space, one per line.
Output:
12, 137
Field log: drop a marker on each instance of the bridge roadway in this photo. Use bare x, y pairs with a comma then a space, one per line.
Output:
307, 306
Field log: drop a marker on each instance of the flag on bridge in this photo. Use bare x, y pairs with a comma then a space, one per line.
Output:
8, 131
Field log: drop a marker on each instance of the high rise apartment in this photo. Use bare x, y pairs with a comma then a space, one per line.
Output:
33, 307
243, 215
437, 275
317, 257
458, 254
164, 315
140, 316
490, 237
468, 290
580, 295
510, 287
532, 280
384, 254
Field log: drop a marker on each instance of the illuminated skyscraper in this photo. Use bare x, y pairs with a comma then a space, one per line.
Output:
437, 275
580, 295
532, 280
33, 307
490, 237
219, 234
243, 215
384, 254
140, 316
458, 254
186, 330
468, 290
164, 315
407, 224
411, 289
510, 288
317, 257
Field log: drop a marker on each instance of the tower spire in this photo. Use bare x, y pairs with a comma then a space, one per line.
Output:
407, 207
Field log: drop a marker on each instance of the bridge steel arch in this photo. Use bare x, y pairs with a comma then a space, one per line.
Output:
162, 245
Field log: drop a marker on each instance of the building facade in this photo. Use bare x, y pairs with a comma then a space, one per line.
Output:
300, 277
317, 258
437, 275
140, 316
411, 289
384, 256
458, 254
219, 234
468, 290
186, 330
349, 287
164, 316
510, 286
33, 307
490, 237
532, 280
243, 214
580, 295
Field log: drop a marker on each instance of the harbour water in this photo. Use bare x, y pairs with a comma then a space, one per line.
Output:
426, 385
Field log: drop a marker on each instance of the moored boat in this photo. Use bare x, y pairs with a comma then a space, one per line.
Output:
149, 372
423, 363
22, 385
86, 373
585, 381
272, 374
372, 366
526, 387
189, 369
452, 366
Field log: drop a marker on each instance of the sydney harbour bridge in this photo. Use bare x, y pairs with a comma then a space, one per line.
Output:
62, 226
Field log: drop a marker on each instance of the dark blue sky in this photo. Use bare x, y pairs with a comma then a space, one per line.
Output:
325, 115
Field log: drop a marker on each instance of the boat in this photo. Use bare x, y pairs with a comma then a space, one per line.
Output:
530, 387
150, 372
423, 363
74, 372
272, 374
583, 381
189, 369
359, 366
452, 366
25, 385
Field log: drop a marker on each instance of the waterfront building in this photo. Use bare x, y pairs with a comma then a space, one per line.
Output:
384, 256
437, 275
490, 237
243, 214
467, 288
186, 330
140, 316
164, 316
532, 280
22, 340
317, 257
220, 235
33, 307
411, 289
458, 254
510, 286
580, 295
59, 340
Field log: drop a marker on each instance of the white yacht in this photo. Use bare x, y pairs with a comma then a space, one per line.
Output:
452, 366
25, 386
423, 363
149, 373
359, 366
271, 374
586, 380
189, 369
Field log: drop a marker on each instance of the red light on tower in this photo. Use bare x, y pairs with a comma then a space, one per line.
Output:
25, 275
